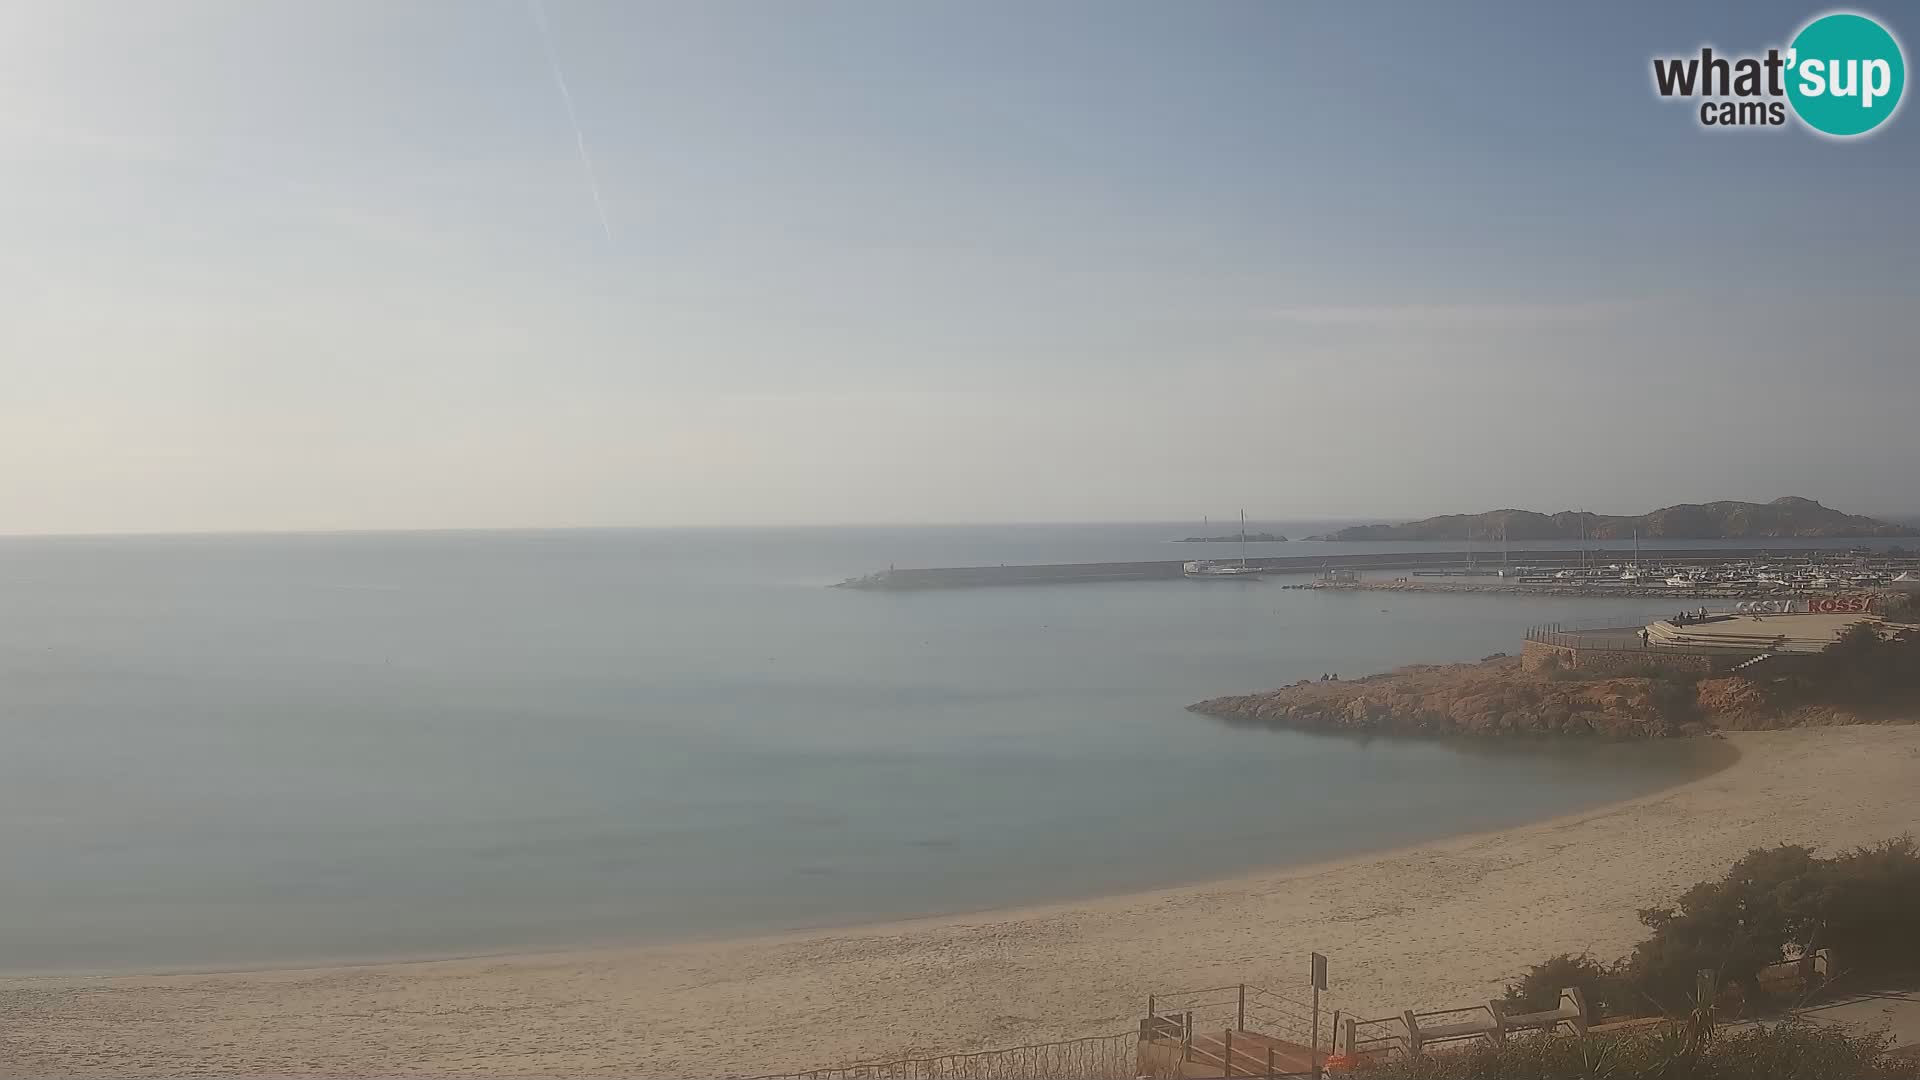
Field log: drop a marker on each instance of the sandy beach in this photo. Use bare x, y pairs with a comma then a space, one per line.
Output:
1438, 924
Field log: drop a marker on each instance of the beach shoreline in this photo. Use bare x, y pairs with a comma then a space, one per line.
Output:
1430, 924
1723, 754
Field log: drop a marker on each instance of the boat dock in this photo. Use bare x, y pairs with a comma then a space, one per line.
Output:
1422, 563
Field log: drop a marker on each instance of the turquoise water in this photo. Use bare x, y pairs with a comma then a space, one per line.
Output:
244, 751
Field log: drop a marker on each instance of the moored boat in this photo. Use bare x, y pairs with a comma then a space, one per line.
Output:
1210, 568
1217, 569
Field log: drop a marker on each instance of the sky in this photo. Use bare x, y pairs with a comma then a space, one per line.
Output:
337, 264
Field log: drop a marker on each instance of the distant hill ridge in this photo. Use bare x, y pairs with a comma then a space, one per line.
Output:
1685, 521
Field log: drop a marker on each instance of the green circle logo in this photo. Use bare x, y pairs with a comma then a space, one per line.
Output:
1845, 74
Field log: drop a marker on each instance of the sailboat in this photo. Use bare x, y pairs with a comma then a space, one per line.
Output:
1632, 572
1214, 568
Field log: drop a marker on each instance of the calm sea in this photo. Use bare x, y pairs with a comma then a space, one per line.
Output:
226, 751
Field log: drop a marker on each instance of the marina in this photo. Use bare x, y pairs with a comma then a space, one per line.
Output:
1718, 572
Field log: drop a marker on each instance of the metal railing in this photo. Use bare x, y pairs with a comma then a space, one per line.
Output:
1452, 1025
1234, 1029
1382, 1039
1098, 1057
1235, 1059
1593, 634
1239, 1006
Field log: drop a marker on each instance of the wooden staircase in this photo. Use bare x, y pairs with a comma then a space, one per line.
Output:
1211, 1055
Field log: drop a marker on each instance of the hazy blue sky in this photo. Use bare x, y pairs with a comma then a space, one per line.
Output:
335, 264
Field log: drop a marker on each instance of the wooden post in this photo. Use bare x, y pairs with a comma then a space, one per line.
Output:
1333, 1035
1226, 1055
1269, 1063
1351, 1025
1149, 1004
1313, 1052
1240, 1014
1186, 1036
1413, 1032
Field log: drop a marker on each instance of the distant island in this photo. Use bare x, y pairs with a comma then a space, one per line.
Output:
1786, 517
1234, 538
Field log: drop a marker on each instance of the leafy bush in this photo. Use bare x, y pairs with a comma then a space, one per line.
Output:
1775, 903
1736, 926
1865, 666
1676, 698
1902, 608
1539, 989
1783, 1052
1870, 910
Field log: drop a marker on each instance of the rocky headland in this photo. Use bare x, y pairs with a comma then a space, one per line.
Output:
1726, 520
1497, 697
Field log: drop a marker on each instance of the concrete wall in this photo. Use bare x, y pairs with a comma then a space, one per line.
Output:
1538, 656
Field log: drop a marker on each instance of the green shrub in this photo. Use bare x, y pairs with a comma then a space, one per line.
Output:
1863, 904
1866, 666
1796, 1051
1539, 989
1676, 699
1870, 915
1736, 926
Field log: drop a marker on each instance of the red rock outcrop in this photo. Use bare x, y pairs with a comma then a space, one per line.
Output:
1493, 697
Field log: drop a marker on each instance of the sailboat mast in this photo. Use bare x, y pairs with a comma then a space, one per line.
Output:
1243, 538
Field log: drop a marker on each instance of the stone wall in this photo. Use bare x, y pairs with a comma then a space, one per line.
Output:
1538, 656
1535, 656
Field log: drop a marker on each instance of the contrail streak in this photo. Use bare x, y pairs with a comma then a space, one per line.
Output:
566, 97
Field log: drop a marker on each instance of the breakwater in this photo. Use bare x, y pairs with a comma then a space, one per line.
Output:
1608, 589
960, 577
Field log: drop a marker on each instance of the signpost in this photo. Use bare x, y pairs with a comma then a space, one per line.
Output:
1319, 984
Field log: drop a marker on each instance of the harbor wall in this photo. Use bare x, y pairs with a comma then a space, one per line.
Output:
955, 577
